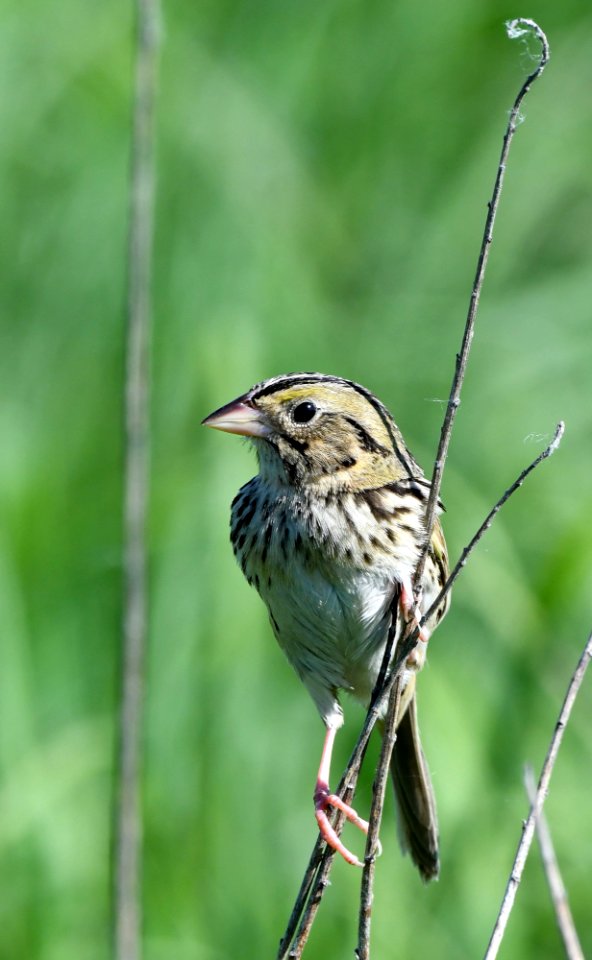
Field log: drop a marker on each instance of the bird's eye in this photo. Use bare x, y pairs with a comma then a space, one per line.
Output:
304, 412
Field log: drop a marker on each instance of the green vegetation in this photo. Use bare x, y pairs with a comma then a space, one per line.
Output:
323, 171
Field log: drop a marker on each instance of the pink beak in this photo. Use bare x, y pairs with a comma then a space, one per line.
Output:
238, 417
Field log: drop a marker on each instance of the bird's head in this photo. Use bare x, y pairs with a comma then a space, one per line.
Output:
313, 429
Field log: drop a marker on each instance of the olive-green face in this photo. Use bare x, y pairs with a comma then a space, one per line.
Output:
311, 429
314, 410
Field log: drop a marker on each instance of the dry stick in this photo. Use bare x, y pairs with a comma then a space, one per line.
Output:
373, 842
321, 882
384, 761
311, 889
315, 880
310, 895
563, 915
542, 790
316, 876
305, 887
127, 826
515, 28
321, 859
461, 562
363, 950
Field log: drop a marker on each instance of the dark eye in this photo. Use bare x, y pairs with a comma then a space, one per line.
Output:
304, 412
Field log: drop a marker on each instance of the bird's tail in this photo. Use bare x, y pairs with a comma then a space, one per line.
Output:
416, 804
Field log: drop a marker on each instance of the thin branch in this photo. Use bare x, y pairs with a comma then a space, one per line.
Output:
461, 562
313, 904
321, 860
373, 842
541, 792
316, 875
303, 895
515, 28
389, 726
563, 914
128, 826
315, 880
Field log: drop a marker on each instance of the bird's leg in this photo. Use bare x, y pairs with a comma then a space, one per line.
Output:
410, 609
324, 799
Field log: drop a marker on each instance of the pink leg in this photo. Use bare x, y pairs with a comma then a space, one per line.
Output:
324, 799
416, 658
411, 610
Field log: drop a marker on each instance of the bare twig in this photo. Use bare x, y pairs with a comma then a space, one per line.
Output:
565, 921
541, 792
314, 902
461, 562
515, 28
314, 882
321, 860
316, 875
315, 879
303, 895
128, 828
373, 843
389, 734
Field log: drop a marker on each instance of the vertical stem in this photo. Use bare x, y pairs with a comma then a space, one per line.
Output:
563, 914
315, 880
373, 843
128, 824
542, 790
515, 28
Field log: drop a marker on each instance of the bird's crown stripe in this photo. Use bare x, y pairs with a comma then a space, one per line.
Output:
284, 382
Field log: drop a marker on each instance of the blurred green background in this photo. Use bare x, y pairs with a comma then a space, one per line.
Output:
323, 171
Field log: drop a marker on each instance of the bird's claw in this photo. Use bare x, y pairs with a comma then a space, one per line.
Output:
323, 800
416, 658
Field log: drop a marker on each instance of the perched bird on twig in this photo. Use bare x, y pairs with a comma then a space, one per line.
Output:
330, 532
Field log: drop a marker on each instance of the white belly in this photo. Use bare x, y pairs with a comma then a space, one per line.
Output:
332, 630
328, 602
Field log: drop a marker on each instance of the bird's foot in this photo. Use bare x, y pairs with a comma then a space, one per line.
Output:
323, 799
416, 658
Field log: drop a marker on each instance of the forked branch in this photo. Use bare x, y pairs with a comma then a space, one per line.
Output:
516, 28
382, 769
462, 560
563, 914
537, 805
316, 876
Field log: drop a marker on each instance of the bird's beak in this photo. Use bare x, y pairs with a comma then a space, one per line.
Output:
238, 417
